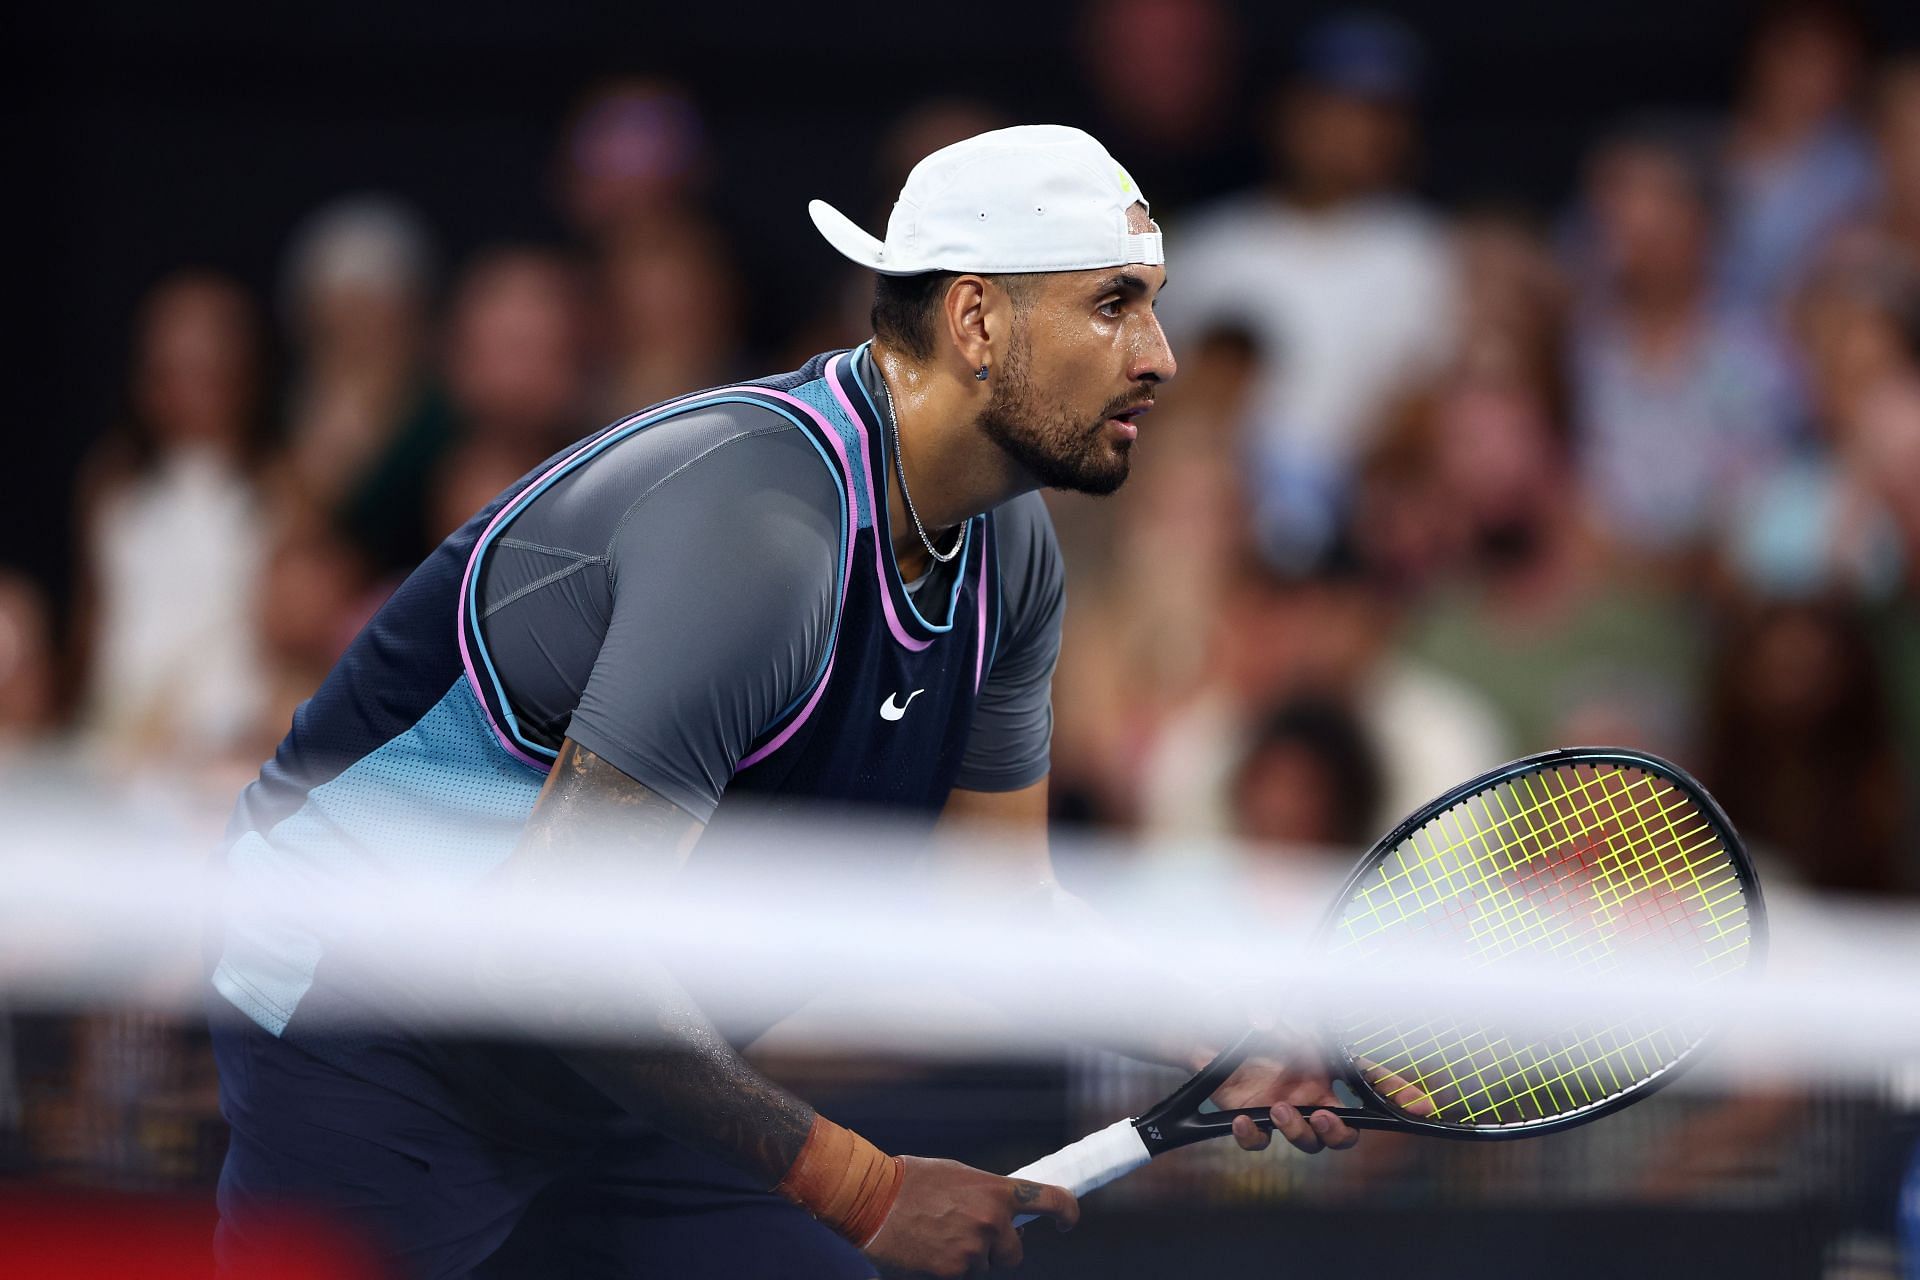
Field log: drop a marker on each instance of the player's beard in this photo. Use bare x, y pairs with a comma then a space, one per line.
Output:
1058, 449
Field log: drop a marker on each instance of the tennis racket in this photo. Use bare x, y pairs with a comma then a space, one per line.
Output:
1587, 859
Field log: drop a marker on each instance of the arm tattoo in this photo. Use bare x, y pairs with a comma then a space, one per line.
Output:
588, 800
675, 1069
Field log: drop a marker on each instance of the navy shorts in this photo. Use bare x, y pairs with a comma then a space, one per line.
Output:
434, 1187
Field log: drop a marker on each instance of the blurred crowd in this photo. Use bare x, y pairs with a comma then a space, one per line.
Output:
1435, 486
1439, 487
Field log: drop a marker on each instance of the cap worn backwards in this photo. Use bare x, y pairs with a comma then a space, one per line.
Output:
1036, 197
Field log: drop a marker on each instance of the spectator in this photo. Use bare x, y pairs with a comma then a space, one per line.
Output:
356, 285
1178, 119
1678, 404
515, 365
1329, 635
515, 350
28, 681
634, 152
1822, 522
1509, 357
1886, 434
1309, 777
1537, 618
1513, 296
1800, 746
1404, 527
1346, 285
1888, 447
1896, 219
172, 531
313, 599
1796, 163
364, 405
670, 302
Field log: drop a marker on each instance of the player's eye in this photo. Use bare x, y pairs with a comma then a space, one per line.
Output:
1112, 308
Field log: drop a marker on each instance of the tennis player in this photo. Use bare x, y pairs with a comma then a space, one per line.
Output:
837, 587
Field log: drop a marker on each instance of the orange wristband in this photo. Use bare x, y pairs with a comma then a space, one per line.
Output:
843, 1180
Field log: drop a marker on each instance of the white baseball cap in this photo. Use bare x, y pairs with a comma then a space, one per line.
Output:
1036, 197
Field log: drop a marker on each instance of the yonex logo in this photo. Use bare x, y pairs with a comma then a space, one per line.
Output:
889, 710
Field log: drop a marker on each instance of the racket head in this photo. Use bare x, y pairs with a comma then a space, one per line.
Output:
1582, 854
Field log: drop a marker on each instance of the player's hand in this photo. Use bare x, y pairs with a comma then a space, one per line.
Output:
1286, 1082
952, 1221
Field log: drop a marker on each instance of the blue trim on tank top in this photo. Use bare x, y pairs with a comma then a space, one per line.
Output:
613, 436
960, 574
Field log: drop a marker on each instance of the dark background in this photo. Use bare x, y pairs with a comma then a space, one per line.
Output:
155, 135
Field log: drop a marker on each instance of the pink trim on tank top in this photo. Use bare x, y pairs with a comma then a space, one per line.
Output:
846, 567
881, 537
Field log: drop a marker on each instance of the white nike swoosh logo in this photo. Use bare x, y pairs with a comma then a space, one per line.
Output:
890, 711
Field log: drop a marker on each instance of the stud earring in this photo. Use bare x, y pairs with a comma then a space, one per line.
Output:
980, 374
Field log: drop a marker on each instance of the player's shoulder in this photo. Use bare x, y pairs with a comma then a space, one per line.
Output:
731, 442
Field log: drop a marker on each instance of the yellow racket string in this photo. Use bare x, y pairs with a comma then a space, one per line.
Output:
1581, 865
1471, 1057
1431, 859
1422, 1083
1428, 859
1480, 1069
1436, 857
1435, 1041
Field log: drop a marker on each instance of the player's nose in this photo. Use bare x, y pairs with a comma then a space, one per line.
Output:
1153, 360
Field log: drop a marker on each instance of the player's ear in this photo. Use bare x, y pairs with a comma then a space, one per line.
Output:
972, 326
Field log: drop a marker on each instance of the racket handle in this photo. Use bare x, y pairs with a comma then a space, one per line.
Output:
1094, 1161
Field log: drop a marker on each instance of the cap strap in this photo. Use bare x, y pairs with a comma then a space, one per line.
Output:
1145, 248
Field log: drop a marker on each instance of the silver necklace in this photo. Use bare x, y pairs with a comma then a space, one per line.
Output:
900, 469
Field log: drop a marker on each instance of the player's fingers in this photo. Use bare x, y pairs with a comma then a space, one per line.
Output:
1406, 1095
1397, 1089
1057, 1203
1249, 1135
979, 1258
1291, 1125
1008, 1250
1335, 1132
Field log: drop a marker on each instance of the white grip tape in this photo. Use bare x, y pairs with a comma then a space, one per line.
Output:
1094, 1161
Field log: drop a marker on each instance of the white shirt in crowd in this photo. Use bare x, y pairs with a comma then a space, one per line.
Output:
1349, 306
177, 555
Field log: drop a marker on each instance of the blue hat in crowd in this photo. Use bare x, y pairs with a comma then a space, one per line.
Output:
1366, 55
